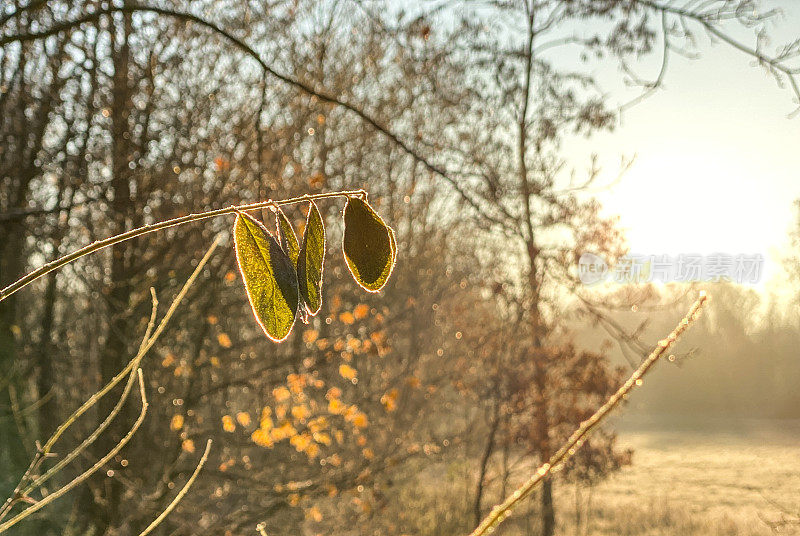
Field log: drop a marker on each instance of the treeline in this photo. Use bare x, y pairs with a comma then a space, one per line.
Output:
741, 362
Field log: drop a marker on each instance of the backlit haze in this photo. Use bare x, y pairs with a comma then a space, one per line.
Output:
716, 159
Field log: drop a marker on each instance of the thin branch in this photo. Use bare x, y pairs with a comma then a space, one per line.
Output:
651, 87
144, 349
157, 521
247, 49
133, 233
147, 343
89, 472
500, 512
91, 438
774, 63
30, 408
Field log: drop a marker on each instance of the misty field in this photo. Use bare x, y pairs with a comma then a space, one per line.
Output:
381, 268
703, 477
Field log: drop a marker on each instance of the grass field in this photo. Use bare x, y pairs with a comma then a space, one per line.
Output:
695, 478
702, 478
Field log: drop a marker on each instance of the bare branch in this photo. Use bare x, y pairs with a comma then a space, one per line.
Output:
171, 506
89, 472
568, 449
247, 49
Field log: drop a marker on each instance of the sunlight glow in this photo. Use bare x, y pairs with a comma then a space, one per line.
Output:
676, 199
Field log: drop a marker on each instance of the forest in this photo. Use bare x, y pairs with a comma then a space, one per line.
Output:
315, 267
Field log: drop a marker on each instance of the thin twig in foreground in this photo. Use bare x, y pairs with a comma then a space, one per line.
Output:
89, 472
130, 369
91, 438
132, 364
133, 233
180, 494
568, 449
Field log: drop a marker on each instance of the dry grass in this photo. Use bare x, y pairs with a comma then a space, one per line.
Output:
707, 478
702, 478
660, 519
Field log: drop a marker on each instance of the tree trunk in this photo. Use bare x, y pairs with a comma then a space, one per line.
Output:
541, 419
542, 424
102, 503
30, 138
548, 513
45, 381
10, 269
487, 454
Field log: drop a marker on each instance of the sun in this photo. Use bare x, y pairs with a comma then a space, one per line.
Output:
677, 199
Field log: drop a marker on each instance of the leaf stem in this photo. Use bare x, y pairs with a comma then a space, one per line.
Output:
174, 222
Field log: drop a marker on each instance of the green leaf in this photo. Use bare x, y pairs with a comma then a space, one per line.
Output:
369, 245
286, 236
269, 277
311, 260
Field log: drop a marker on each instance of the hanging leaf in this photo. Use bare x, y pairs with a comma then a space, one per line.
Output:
311, 260
369, 245
286, 236
269, 277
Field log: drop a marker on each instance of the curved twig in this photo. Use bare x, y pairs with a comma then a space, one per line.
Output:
24, 488
89, 472
139, 231
775, 64
568, 449
145, 346
171, 506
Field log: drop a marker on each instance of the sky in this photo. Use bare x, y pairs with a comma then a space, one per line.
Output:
717, 160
